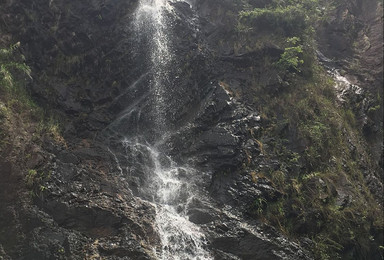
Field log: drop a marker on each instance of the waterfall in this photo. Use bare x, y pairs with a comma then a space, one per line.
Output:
171, 193
168, 186
342, 85
151, 24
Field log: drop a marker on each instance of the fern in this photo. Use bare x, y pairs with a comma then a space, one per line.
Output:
9, 63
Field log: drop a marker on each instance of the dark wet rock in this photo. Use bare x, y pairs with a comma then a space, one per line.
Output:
199, 216
343, 199
66, 157
239, 190
247, 241
123, 249
246, 247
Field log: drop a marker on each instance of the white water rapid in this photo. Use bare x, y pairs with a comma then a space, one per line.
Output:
170, 189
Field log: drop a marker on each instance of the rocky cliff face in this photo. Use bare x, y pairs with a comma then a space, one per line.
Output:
89, 196
352, 38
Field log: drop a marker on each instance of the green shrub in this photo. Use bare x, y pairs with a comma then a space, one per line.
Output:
290, 20
291, 58
35, 181
9, 63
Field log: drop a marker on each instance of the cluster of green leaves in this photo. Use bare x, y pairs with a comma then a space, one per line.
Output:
14, 96
12, 93
10, 63
35, 180
291, 57
289, 18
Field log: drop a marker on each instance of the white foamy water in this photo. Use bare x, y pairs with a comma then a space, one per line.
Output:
152, 24
169, 187
343, 85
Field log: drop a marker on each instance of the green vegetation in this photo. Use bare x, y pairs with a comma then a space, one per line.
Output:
35, 181
12, 80
15, 98
287, 25
22, 122
290, 59
287, 20
9, 63
316, 140
318, 166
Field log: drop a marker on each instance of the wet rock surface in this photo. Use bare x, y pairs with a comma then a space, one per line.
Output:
79, 211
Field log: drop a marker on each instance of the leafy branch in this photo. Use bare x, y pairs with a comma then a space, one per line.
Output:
9, 63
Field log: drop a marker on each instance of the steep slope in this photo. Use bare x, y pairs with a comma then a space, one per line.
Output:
305, 131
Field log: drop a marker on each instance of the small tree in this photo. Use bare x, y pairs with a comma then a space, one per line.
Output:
291, 58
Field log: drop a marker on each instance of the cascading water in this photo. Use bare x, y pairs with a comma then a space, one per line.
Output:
151, 24
342, 85
169, 187
171, 193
